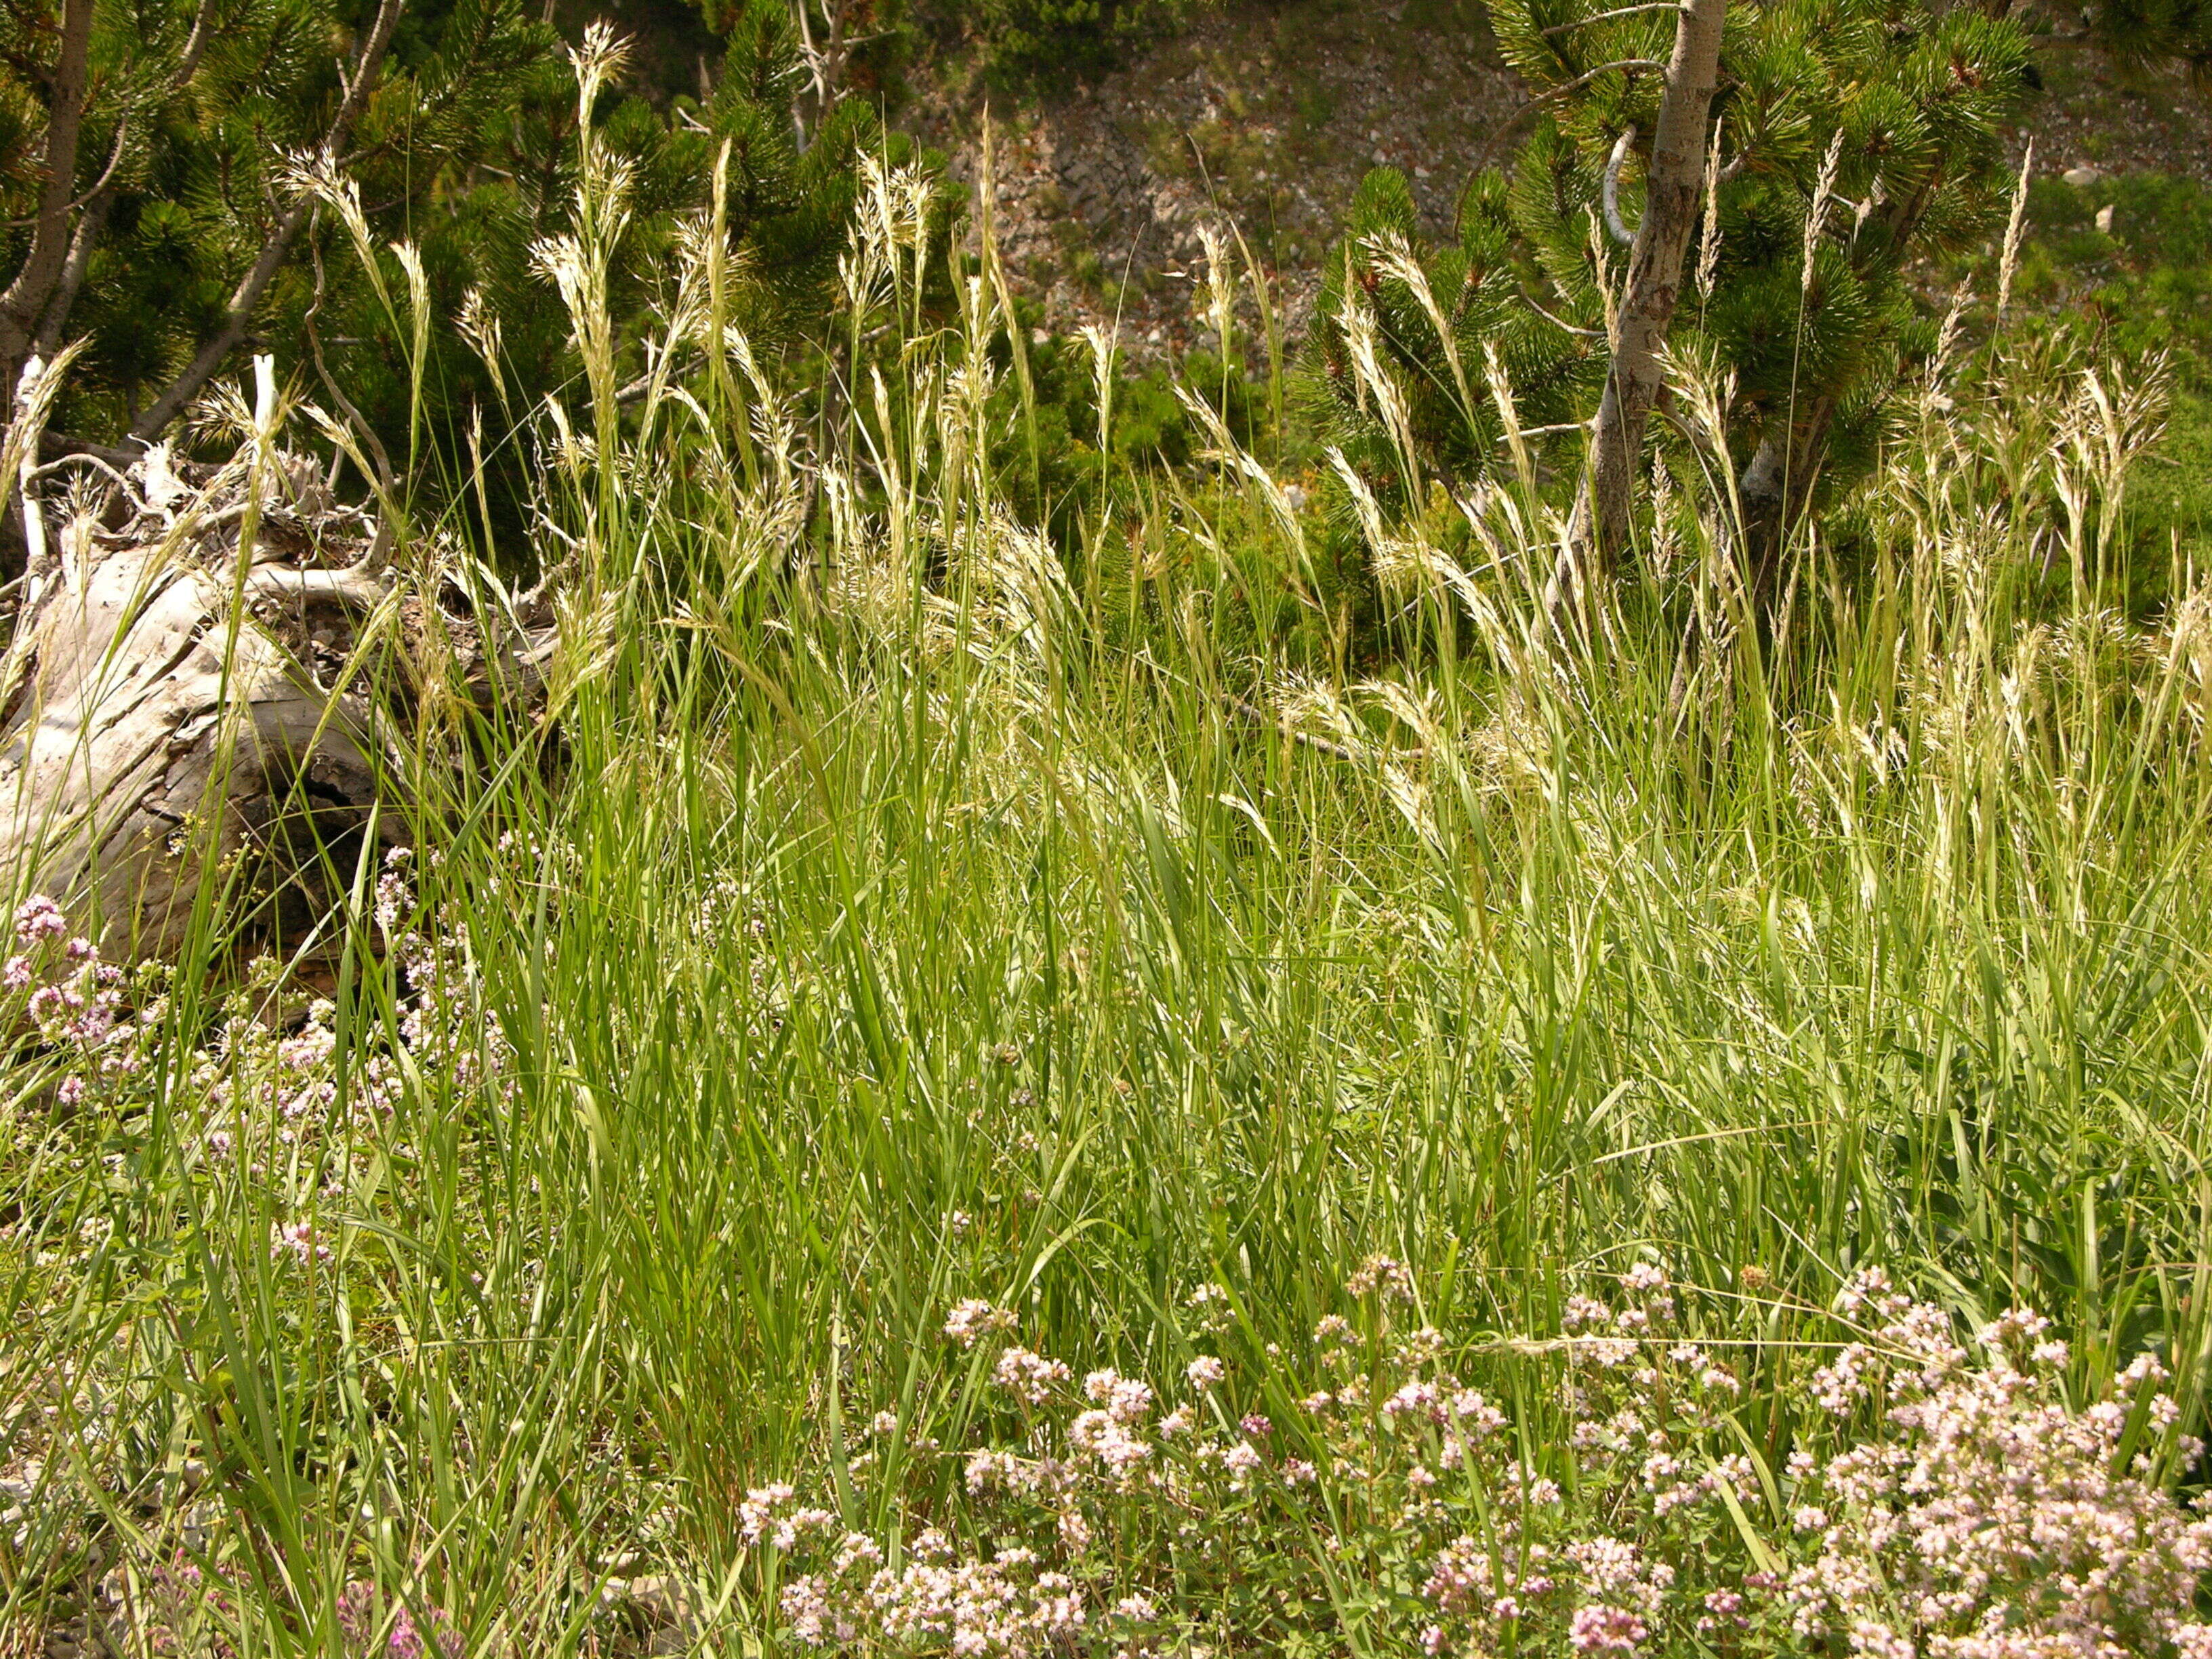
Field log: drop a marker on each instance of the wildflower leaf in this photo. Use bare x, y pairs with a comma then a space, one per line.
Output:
1759, 1463
1752, 1541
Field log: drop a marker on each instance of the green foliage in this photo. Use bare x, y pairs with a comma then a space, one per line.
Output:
1910, 101
2122, 271
1478, 291
201, 169
1040, 42
2146, 35
466, 153
892, 914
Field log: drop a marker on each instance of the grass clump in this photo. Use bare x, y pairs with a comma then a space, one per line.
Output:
2124, 265
895, 926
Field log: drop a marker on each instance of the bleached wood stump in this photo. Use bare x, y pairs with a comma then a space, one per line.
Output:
171, 719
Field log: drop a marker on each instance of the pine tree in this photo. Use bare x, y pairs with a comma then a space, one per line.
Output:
177, 228
147, 159
2145, 34
1852, 138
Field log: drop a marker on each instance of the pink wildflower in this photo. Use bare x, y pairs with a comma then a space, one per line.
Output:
1240, 1460
298, 1237
1030, 1377
1597, 1628
972, 1320
39, 918
1384, 1274
761, 1505
1417, 1399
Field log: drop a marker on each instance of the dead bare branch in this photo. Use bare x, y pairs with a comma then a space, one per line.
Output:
1621, 233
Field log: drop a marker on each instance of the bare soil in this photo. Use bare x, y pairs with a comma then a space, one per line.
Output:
1262, 117
1266, 117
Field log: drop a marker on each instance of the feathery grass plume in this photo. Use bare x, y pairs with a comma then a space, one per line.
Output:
418, 339
864, 277
1223, 450
578, 262
569, 454
1709, 237
1375, 382
2009, 262
1601, 270
729, 392
1395, 260
1308, 701
1397, 569
1500, 385
1271, 325
224, 415
1705, 393
2189, 660
597, 60
1666, 548
2105, 430
1100, 346
1948, 336
686, 315
478, 323
563, 261
1220, 290
315, 174
1816, 213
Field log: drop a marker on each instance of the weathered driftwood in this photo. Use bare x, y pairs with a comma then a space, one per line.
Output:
169, 718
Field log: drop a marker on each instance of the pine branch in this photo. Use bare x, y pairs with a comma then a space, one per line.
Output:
1608, 16
1553, 94
238, 314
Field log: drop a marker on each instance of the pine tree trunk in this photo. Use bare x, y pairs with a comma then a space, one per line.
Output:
25, 300
1673, 183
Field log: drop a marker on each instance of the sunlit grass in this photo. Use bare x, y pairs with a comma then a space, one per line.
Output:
880, 918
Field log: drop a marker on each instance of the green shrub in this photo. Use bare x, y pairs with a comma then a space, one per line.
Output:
1024, 42
2120, 270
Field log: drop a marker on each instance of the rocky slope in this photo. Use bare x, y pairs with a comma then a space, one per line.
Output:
1265, 116
1262, 117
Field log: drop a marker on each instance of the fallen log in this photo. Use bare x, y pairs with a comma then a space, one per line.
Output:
211, 674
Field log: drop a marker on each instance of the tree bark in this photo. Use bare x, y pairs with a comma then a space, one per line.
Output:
827, 63
25, 302
1673, 184
151, 744
93, 210
1774, 488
